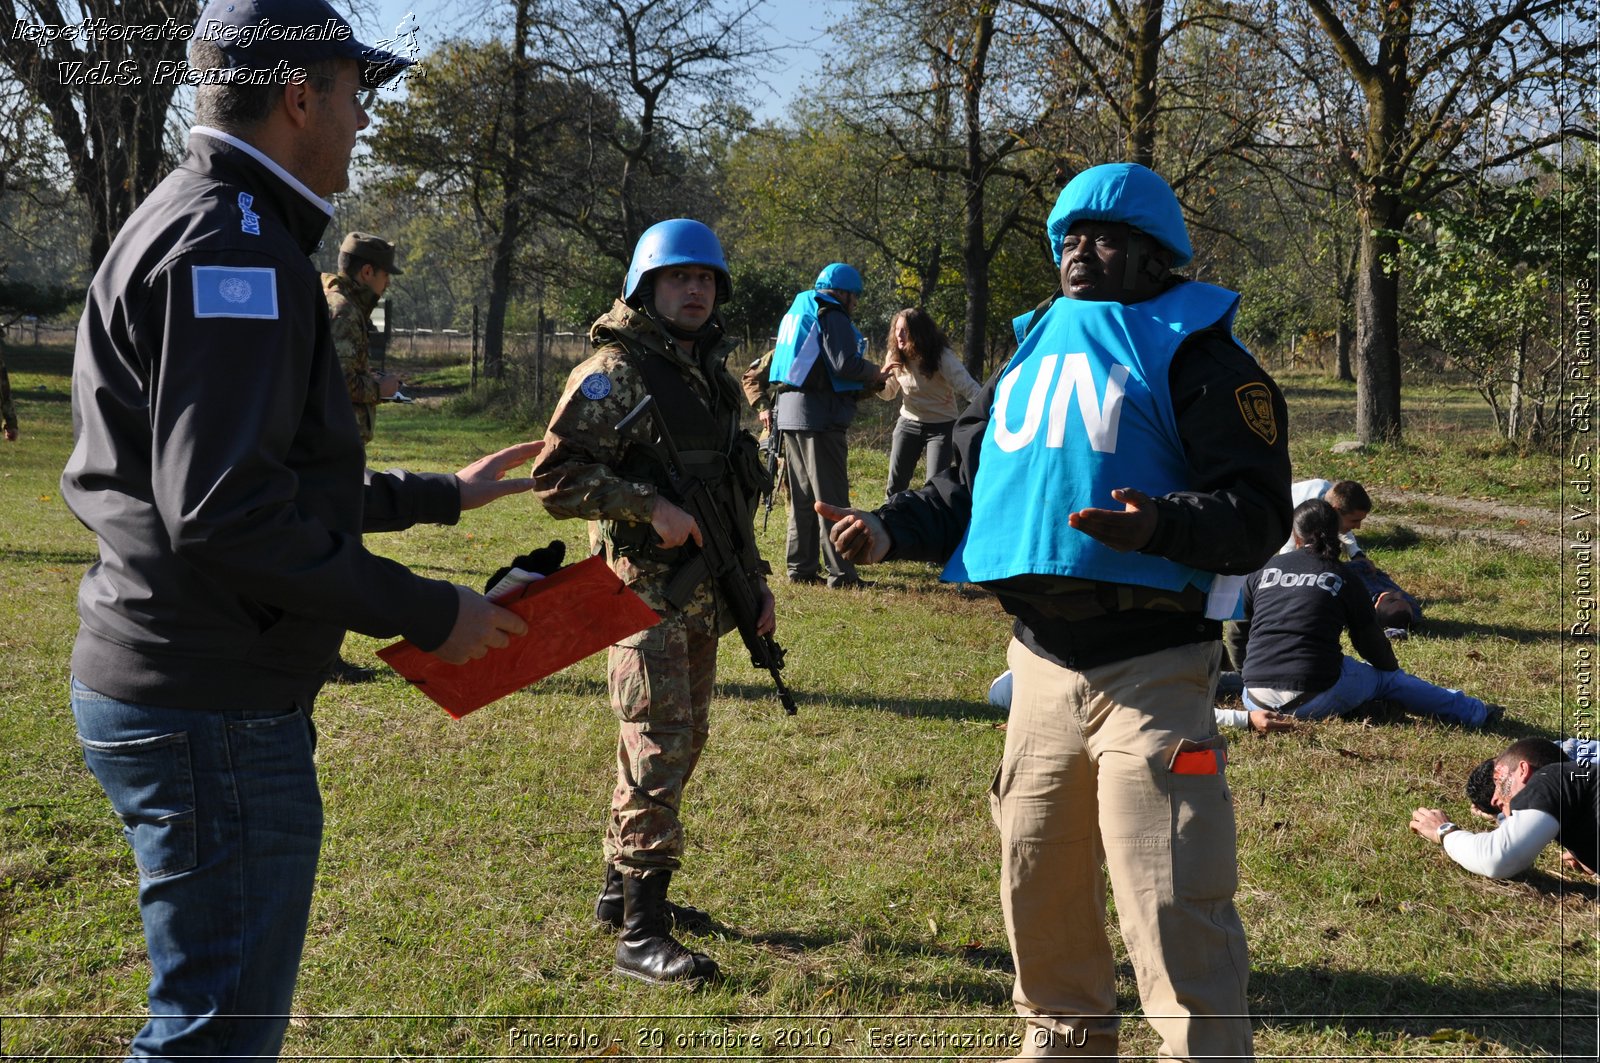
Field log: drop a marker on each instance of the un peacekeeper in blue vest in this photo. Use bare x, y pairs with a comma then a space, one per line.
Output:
1114, 481
819, 369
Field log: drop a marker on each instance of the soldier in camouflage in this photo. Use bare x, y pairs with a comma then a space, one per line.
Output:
663, 338
366, 263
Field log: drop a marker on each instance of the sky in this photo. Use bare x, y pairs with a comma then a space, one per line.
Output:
801, 23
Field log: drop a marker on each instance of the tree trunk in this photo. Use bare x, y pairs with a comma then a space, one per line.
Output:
974, 247
1146, 57
1342, 336
1377, 353
505, 245
1514, 414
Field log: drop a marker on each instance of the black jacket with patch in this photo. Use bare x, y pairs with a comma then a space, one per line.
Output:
217, 461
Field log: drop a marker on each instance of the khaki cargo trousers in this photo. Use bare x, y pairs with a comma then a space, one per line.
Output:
1085, 780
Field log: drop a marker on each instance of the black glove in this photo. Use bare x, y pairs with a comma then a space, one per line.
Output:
545, 560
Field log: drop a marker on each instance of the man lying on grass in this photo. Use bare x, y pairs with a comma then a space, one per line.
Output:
1541, 797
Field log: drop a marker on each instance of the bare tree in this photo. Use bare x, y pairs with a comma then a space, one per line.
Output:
1446, 92
672, 67
104, 91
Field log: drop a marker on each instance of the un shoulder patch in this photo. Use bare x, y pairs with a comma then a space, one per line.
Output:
1255, 406
595, 386
235, 291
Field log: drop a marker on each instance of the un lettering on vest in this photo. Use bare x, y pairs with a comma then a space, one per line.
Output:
789, 328
1100, 415
1331, 582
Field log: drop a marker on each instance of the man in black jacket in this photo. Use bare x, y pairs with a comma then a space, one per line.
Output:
217, 461
1133, 377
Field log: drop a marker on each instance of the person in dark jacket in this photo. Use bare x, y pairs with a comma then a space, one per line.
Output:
1116, 591
1297, 606
216, 460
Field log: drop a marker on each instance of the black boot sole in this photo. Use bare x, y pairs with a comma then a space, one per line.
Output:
693, 981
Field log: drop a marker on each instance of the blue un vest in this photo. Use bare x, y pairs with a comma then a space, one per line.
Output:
1083, 407
800, 342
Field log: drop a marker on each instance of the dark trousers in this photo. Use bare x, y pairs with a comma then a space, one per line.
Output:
911, 438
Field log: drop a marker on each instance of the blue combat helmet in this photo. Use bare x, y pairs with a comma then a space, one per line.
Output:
679, 242
1125, 192
840, 277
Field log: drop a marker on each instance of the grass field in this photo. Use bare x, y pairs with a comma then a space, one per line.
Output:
847, 853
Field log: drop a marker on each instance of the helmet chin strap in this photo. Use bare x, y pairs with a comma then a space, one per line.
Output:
1142, 265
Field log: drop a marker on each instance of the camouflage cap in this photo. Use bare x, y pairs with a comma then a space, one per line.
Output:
374, 249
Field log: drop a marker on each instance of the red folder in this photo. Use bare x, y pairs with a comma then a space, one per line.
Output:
570, 613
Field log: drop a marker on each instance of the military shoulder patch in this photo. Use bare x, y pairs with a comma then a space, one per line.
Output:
235, 291
1255, 406
595, 386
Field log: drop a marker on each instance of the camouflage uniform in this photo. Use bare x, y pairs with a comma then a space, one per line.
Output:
350, 306
8, 408
660, 679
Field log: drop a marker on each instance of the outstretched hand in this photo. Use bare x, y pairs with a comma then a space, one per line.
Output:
859, 536
482, 482
1127, 529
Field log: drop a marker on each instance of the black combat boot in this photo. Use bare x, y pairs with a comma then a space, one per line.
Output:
608, 907
646, 950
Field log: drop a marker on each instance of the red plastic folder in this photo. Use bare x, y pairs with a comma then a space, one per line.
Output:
570, 613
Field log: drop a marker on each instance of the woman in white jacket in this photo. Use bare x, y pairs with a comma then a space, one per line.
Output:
936, 387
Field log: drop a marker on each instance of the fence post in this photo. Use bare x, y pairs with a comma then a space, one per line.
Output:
538, 363
474, 384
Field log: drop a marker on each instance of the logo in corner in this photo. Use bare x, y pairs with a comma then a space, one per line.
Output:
1255, 406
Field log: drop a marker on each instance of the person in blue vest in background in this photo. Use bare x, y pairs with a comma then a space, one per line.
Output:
1113, 485
820, 369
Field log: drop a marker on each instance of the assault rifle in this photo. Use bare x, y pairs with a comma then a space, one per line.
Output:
721, 558
771, 452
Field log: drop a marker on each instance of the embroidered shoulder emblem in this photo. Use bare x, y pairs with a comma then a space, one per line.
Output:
249, 220
235, 291
1255, 406
595, 386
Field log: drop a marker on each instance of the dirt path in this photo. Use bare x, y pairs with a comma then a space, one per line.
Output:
1539, 531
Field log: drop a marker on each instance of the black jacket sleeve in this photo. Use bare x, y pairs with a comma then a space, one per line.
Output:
927, 524
1365, 634
1237, 514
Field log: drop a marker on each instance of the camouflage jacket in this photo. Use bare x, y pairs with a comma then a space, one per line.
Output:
350, 308
579, 474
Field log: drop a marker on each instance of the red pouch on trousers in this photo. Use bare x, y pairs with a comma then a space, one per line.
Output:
571, 613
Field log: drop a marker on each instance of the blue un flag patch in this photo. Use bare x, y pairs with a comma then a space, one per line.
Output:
235, 291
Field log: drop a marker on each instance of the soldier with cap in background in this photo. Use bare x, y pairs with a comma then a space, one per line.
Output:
366, 263
663, 338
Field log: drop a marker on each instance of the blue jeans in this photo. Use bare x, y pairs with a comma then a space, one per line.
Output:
910, 439
225, 821
1359, 683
